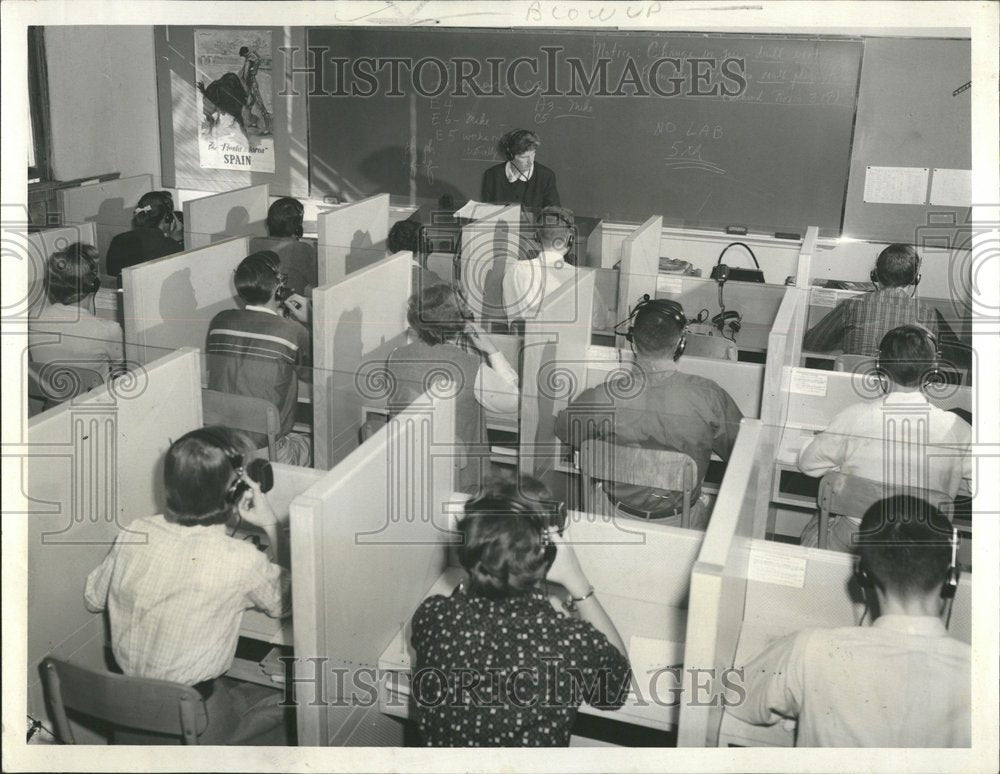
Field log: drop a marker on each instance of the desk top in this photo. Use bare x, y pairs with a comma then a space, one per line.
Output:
753, 639
654, 635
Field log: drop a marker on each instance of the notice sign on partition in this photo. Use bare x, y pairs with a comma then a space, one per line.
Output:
234, 92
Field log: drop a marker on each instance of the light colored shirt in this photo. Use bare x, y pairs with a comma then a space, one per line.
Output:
899, 439
902, 682
496, 386
514, 174
85, 340
176, 597
527, 283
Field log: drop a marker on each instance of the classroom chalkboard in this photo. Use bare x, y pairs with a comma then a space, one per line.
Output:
707, 130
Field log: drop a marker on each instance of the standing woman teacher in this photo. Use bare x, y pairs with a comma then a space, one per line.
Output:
520, 180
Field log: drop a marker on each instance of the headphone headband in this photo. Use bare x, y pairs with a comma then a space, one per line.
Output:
667, 309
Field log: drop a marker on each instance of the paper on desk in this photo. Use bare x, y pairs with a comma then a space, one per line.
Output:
649, 656
106, 298
672, 285
823, 297
477, 210
772, 567
806, 382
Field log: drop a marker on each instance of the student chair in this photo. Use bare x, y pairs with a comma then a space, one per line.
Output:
50, 384
242, 412
658, 468
129, 703
711, 346
845, 495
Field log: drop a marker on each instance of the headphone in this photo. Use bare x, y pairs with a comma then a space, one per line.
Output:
549, 514
948, 588
509, 142
561, 216
282, 292
667, 309
934, 377
91, 281
259, 470
873, 274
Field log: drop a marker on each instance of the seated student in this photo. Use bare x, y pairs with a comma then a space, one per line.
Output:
658, 407
156, 231
857, 324
449, 344
258, 351
527, 283
176, 597
297, 258
532, 667
405, 235
81, 339
901, 682
900, 439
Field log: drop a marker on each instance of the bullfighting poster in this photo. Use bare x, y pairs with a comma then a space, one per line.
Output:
235, 94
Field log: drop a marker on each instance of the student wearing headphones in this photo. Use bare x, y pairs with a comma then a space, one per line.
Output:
856, 325
656, 407
448, 344
264, 349
531, 666
66, 330
901, 682
297, 257
156, 232
175, 585
900, 439
527, 283
520, 179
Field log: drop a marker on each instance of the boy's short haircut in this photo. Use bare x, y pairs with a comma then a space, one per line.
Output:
73, 273
554, 222
197, 472
284, 217
434, 314
405, 235
897, 266
257, 277
153, 208
904, 542
655, 334
907, 354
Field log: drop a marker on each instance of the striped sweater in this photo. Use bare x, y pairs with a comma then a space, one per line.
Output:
256, 353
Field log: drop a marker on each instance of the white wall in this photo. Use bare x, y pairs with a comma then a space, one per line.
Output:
102, 95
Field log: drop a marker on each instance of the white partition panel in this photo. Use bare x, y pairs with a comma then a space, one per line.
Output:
218, 217
109, 205
554, 369
489, 246
640, 265
356, 324
92, 468
169, 302
368, 542
352, 237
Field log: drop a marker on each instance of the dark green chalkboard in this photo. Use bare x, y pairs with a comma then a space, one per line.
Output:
774, 158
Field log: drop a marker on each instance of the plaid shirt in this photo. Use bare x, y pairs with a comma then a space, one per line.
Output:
176, 600
858, 324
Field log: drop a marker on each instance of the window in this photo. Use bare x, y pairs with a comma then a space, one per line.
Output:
39, 155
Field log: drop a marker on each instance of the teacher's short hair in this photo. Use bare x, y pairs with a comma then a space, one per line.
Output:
517, 142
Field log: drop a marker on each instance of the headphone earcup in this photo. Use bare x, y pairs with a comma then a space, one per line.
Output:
681, 346
873, 276
951, 583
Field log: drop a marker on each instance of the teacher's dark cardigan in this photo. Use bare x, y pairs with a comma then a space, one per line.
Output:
540, 191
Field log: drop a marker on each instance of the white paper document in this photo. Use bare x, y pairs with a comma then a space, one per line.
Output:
896, 185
